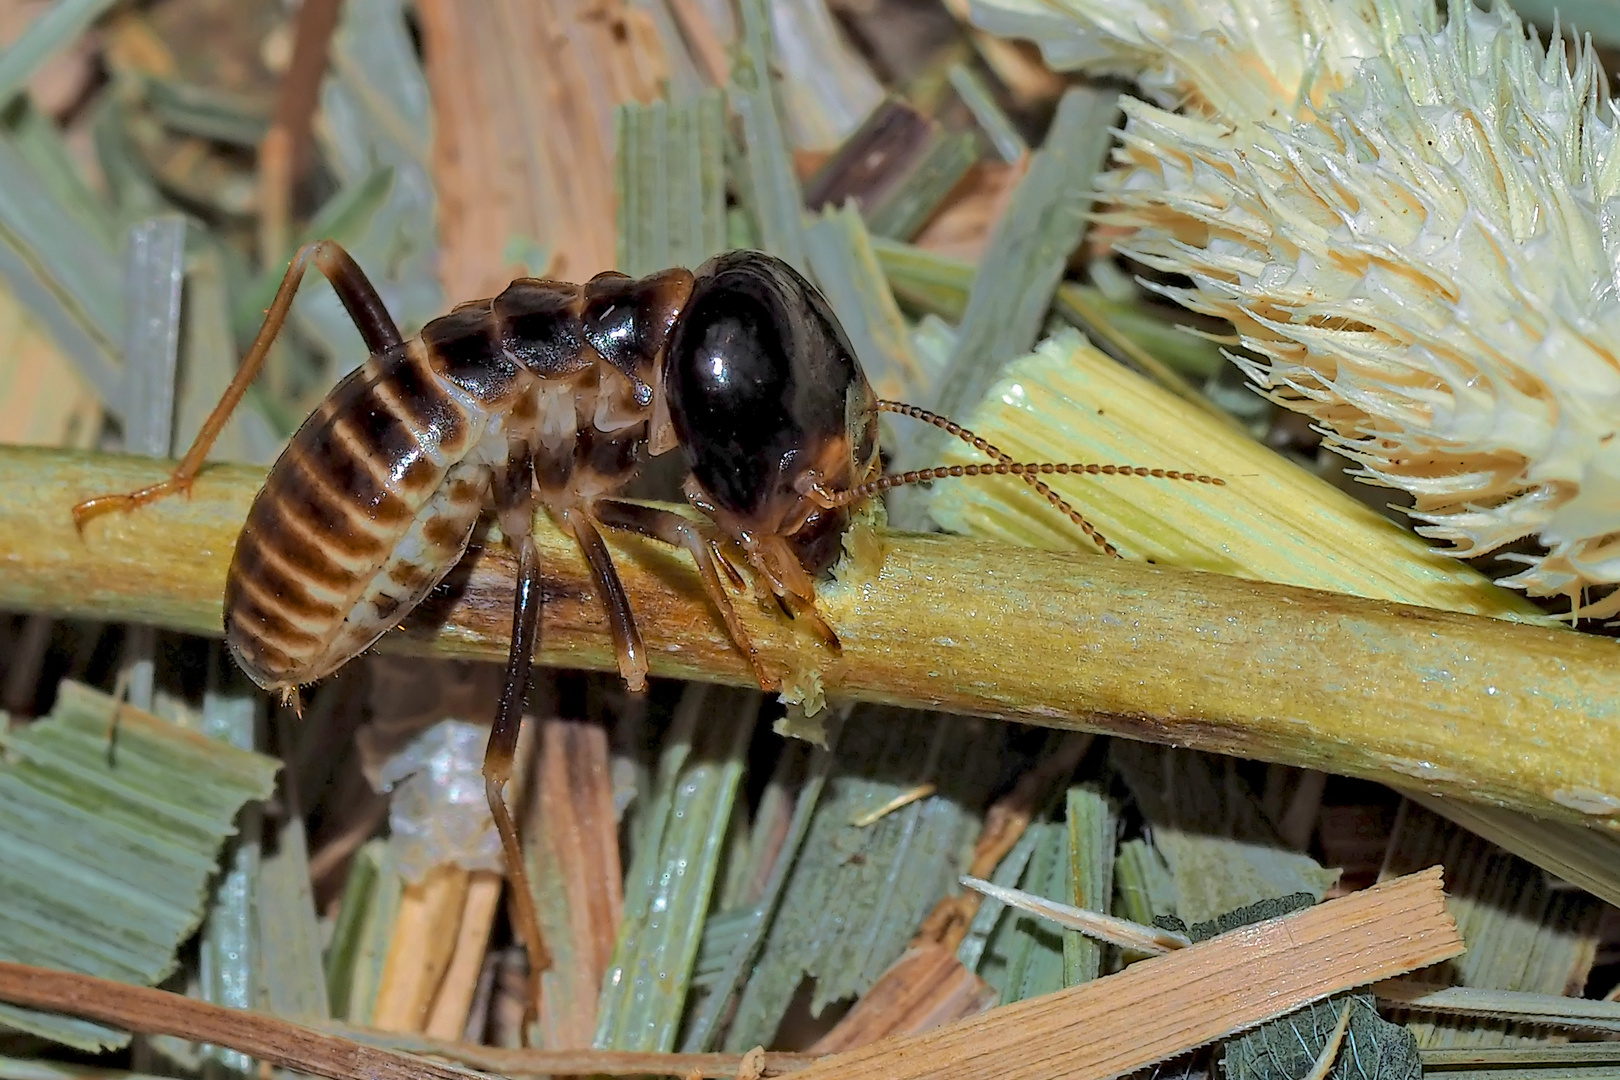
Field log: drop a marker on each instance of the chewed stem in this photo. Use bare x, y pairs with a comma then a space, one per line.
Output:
1006, 466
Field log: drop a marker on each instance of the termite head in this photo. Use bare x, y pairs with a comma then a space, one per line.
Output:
770, 407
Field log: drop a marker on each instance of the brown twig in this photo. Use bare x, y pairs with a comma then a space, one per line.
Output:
321, 1053
286, 144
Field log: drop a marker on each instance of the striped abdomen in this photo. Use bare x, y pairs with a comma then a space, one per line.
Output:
375, 498
370, 505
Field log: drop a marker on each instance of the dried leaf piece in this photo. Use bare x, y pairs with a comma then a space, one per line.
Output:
1294, 1045
1285, 1049
1270, 908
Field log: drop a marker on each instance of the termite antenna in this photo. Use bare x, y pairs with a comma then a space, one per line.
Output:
1006, 466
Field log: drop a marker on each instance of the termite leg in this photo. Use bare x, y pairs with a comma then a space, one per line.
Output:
626, 638
365, 308
671, 528
514, 502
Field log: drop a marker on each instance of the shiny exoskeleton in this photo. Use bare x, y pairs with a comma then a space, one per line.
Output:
551, 394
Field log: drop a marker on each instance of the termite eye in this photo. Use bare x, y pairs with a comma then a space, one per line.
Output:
763, 385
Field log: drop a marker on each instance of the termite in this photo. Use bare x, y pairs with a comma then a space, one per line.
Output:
551, 393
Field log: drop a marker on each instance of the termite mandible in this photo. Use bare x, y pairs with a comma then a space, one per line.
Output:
550, 394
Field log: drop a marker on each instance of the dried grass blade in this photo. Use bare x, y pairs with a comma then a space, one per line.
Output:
855, 895
1029, 249
755, 921
1093, 832
670, 171
106, 863
674, 870
56, 28
1551, 1009
1524, 1060
359, 947
842, 258
230, 959
1522, 935
1094, 924
154, 268
1161, 1007
771, 186
40, 142
987, 914
289, 932
64, 272
577, 873
995, 124
828, 87
1589, 858
376, 113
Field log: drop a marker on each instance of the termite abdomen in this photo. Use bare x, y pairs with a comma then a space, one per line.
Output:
355, 523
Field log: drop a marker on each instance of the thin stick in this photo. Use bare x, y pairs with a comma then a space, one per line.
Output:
322, 1053
1457, 704
1122, 932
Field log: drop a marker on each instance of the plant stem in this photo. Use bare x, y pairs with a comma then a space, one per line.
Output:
1458, 705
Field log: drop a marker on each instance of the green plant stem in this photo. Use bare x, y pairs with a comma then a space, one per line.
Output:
1459, 705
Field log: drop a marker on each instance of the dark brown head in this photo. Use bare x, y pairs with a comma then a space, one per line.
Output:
767, 397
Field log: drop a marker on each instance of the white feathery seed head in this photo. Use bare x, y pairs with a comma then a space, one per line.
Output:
1414, 229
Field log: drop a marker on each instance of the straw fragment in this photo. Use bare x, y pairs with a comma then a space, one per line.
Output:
1158, 1008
